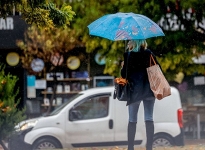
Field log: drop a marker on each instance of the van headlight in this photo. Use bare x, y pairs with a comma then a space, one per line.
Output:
26, 125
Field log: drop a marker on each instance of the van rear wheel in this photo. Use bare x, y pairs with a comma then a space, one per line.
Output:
162, 140
46, 143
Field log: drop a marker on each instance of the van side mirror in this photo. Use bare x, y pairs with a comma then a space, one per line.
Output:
75, 115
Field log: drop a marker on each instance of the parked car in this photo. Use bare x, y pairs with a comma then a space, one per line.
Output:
94, 118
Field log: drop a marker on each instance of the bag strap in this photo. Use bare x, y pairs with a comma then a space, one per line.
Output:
152, 59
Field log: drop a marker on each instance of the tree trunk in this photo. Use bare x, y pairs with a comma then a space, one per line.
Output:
3, 145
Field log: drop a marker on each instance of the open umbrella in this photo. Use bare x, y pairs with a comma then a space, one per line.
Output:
125, 26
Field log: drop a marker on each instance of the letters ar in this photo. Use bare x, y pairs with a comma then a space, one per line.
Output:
7, 23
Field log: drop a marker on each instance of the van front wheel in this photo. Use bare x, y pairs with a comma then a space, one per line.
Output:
162, 140
46, 143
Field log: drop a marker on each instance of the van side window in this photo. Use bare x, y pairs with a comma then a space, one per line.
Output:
92, 108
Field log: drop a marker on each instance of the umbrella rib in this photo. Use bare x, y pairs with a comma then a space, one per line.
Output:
96, 27
139, 28
152, 23
99, 24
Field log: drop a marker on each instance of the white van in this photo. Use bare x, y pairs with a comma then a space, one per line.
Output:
93, 118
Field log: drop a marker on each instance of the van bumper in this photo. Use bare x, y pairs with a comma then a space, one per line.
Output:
17, 141
179, 139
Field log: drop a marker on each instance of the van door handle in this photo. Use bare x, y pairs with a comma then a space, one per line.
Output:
110, 124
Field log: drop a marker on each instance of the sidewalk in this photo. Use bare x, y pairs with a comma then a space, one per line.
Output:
187, 142
194, 141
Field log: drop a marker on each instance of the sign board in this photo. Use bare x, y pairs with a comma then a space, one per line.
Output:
12, 28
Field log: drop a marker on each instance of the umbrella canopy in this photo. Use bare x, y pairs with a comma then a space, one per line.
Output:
125, 26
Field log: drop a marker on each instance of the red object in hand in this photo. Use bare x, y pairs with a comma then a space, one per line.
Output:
121, 81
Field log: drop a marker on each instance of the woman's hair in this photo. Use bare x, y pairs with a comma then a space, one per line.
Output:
138, 44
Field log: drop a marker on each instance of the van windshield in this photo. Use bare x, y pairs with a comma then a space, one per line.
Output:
58, 109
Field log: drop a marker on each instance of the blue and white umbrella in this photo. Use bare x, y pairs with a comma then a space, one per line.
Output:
125, 26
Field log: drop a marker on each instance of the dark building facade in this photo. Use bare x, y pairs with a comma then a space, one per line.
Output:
12, 28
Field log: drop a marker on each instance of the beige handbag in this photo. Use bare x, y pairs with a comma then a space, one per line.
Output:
158, 82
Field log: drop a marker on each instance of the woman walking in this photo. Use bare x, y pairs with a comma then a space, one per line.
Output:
136, 60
